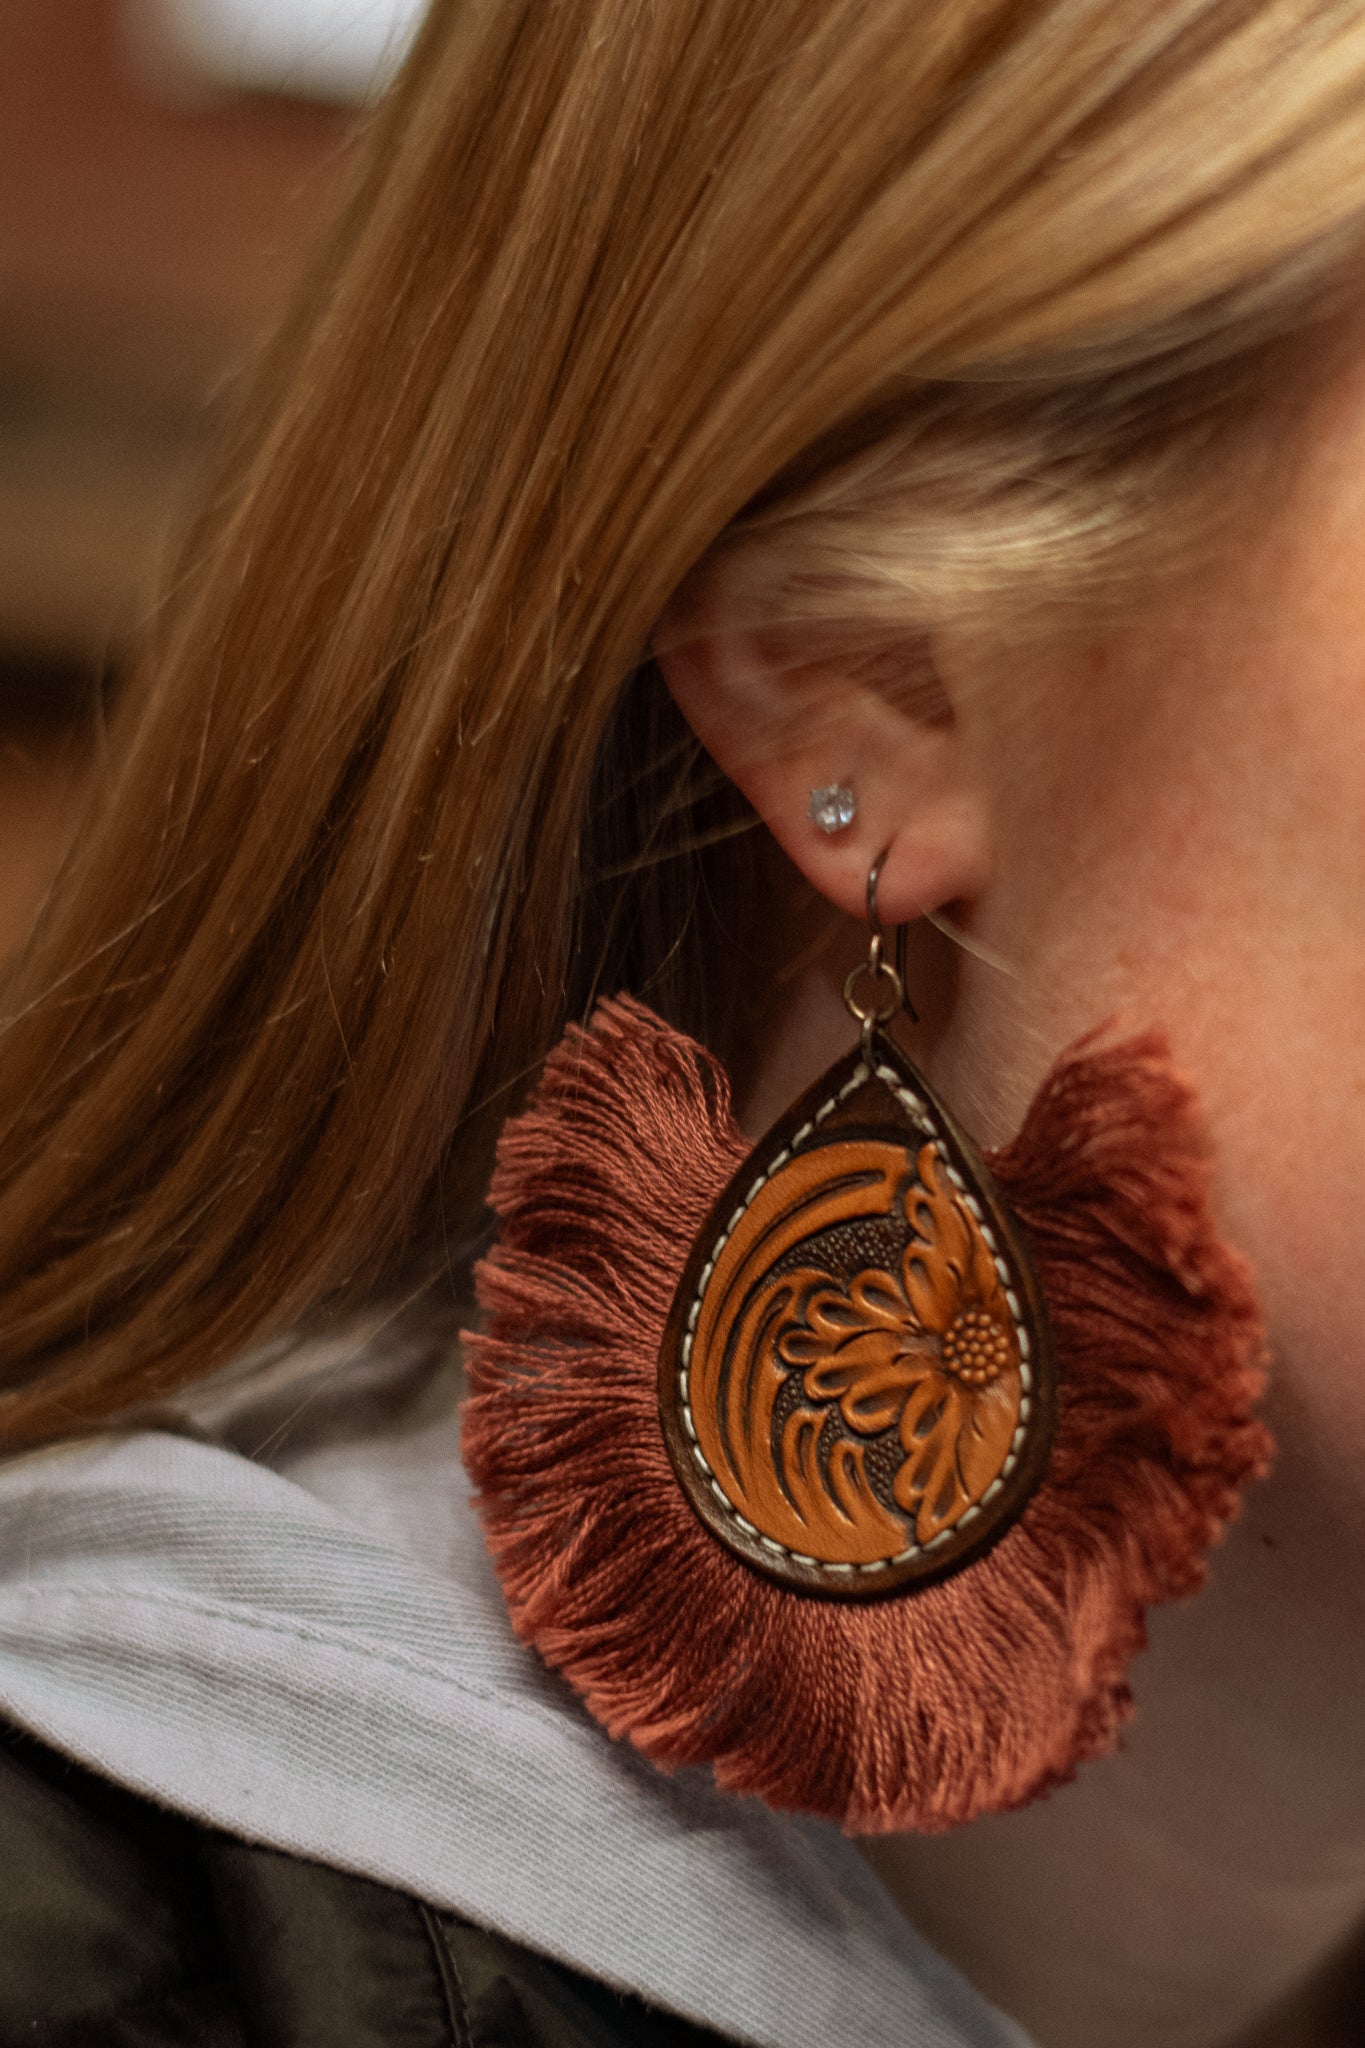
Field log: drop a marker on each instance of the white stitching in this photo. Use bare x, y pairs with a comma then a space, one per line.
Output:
919, 1113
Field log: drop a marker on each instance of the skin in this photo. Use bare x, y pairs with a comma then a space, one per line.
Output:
1158, 812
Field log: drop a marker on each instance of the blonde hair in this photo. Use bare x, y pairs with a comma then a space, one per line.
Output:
948, 295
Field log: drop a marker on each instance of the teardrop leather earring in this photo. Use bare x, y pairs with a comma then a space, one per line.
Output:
859, 1309
848, 1464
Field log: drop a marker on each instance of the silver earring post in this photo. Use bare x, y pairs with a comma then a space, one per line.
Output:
833, 808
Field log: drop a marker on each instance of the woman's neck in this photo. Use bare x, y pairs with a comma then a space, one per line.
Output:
1202, 1888
1199, 1890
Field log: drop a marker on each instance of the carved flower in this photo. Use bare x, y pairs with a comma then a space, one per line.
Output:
929, 1348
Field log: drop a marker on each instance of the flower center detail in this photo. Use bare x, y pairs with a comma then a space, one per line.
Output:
976, 1348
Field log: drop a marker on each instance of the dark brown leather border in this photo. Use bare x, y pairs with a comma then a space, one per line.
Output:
1023, 1480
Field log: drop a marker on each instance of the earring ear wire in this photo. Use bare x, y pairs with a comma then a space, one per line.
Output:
876, 952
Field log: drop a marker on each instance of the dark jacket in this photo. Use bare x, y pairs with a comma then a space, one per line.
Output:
124, 1926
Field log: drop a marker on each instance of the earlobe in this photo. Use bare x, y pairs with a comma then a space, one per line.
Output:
782, 728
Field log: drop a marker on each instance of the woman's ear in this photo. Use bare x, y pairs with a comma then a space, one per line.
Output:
782, 727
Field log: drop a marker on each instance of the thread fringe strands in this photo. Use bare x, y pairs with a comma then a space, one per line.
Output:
925, 1708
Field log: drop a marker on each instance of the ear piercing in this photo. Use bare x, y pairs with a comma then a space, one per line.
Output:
832, 809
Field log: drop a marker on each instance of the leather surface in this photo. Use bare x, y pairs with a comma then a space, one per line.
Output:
122, 1926
856, 1384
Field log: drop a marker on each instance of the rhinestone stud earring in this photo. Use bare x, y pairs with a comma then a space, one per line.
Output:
833, 808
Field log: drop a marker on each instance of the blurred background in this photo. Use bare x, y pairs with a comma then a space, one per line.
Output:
165, 167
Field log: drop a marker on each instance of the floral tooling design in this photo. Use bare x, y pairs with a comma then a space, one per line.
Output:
855, 1418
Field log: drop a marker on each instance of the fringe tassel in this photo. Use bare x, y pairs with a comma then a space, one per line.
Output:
919, 1711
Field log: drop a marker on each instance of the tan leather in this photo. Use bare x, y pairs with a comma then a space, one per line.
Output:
855, 1389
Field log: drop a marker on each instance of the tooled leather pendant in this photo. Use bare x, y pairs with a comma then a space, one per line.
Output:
856, 1382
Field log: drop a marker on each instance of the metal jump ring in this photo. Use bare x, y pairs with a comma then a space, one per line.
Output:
874, 1013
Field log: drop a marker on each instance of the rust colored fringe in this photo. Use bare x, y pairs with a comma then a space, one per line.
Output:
919, 1711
